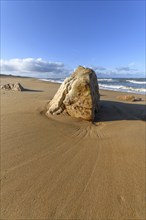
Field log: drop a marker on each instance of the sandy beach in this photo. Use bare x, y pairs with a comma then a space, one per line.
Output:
67, 168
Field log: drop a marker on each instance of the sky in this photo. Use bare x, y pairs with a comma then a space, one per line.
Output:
51, 38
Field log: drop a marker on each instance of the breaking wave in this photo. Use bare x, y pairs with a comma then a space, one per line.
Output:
135, 85
122, 88
107, 80
136, 82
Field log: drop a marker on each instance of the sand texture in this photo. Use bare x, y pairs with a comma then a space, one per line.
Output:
66, 168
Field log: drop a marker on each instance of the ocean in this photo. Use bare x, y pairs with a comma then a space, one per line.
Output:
133, 85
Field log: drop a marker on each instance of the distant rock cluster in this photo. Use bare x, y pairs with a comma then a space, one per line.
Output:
78, 96
131, 98
11, 86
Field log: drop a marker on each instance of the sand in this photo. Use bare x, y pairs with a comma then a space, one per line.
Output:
66, 168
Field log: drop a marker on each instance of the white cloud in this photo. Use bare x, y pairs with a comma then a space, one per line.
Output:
33, 66
123, 68
122, 71
132, 64
98, 68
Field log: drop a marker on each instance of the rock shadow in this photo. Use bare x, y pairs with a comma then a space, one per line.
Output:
31, 90
114, 111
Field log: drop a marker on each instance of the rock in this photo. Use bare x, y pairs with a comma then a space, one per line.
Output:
11, 86
143, 116
131, 98
18, 87
78, 96
137, 99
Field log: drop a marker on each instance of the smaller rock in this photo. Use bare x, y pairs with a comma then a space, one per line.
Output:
130, 98
11, 86
18, 87
137, 99
143, 116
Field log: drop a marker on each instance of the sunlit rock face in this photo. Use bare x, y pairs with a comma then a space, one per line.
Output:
11, 86
78, 96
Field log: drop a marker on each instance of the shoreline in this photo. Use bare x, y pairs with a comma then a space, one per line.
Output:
53, 81
60, 167
100, 86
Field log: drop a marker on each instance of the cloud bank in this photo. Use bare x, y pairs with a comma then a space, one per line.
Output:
33, 66
122, 71
37, 67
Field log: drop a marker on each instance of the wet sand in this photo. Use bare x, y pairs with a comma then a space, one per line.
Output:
66, 168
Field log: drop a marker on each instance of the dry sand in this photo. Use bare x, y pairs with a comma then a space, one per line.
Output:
66, 168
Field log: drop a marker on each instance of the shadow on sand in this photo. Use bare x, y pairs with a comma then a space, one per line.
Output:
31, 90
112, 111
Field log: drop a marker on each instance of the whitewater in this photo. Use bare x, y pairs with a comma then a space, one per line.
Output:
133, 85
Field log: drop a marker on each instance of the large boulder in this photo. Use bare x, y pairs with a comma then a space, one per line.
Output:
78, 96
11, 86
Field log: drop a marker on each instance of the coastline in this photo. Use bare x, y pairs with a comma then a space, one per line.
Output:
62, 167
101, 87
129, 85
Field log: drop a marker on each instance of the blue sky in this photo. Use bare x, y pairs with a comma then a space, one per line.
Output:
51, 38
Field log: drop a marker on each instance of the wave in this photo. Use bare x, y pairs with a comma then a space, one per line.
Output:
113, 87
122, 88
136, 82
53, 80
107, 80
110, 86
